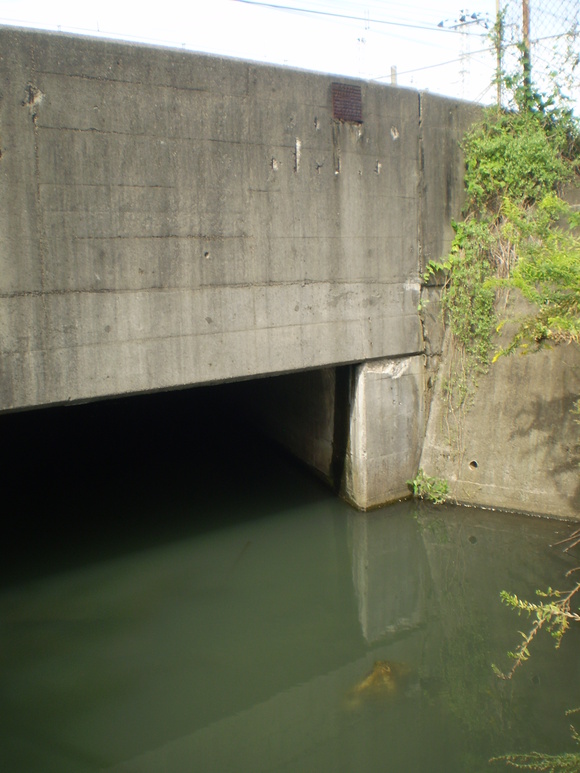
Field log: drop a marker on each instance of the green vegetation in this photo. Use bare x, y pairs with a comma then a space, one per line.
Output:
517, 235
547, 272
552, 763
514, 265
425, 487
554, 614
521, 236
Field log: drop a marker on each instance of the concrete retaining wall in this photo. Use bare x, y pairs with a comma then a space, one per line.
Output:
517, 447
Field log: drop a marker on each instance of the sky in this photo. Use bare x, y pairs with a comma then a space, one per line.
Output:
427, 43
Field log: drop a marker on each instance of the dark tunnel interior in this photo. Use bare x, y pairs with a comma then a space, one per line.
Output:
83, 482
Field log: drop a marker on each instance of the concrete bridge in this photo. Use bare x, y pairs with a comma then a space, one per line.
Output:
171, 219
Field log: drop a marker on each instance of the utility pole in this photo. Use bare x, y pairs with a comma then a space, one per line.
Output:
466, 19
498, 43
527, 62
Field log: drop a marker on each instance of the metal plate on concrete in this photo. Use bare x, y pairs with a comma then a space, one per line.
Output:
347, 102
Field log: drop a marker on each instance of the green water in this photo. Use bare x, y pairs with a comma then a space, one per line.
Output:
177, 597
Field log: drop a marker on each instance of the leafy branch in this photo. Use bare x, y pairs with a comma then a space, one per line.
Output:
551, 763
555, 615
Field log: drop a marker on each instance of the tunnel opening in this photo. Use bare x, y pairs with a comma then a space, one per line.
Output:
94, 480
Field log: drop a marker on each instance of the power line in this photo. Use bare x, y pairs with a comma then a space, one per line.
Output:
353, 18
431, 66
454, 61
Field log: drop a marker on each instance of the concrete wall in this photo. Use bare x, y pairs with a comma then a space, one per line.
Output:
171, 219
516, 448
444, 124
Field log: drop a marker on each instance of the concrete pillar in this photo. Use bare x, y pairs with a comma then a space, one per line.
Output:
385, 431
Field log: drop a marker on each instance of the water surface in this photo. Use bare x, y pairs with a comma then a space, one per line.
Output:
177, 596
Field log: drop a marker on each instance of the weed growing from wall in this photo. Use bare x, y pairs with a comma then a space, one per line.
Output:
424, 486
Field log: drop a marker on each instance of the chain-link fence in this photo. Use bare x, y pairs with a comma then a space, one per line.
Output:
552, 29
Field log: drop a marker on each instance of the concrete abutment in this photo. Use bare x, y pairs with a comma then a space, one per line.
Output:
359, 427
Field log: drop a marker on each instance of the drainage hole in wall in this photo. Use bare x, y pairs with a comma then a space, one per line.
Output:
473, 465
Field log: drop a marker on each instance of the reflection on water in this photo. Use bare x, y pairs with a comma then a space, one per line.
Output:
386, 605
231, 628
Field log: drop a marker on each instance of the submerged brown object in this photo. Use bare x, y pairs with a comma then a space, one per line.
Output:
384, 681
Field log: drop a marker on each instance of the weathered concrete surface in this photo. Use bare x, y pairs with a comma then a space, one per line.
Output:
444, 123
172, 219
385, 432
517, 447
